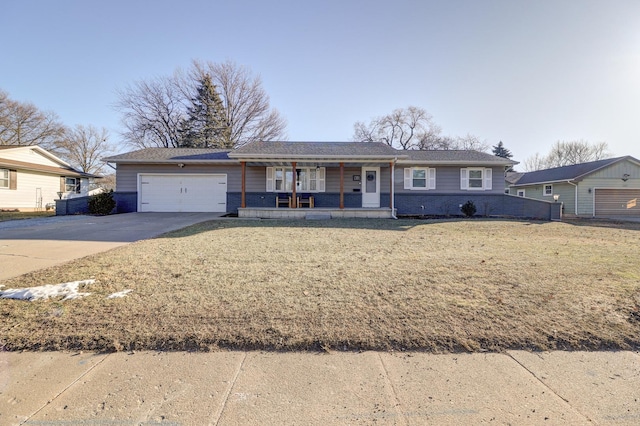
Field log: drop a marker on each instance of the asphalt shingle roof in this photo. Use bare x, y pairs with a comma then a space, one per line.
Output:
293, 150
319, 149
149, 155
567, 173
456, 156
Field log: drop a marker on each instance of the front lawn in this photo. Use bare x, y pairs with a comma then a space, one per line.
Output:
438, 286
16, 215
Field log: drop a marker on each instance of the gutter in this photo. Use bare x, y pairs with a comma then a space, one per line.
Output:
392, 192
576, 196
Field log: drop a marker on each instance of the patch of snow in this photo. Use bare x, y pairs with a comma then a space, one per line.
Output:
68, 290
122, 293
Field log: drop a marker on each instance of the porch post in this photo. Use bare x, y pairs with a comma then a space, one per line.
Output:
342, 185
243, 165
391, 168
294, 200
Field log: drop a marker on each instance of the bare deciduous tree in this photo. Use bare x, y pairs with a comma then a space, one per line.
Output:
565, 153
413, 128
153, 110
408, 128
84, 147
471, 142
533, 163
24, 124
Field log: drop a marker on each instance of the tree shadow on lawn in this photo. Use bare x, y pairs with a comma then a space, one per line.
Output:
399, 225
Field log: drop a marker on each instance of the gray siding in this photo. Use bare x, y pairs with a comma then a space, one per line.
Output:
448, 181
127, 174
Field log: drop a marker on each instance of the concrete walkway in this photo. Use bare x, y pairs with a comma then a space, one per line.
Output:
256, 388
31, 244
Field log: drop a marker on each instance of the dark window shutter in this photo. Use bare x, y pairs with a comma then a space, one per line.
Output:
62, 183
77, 185
13, 179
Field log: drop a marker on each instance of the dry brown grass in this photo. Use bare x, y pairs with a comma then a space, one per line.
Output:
452, 285
16, 215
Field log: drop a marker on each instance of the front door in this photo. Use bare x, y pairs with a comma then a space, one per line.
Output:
371, 187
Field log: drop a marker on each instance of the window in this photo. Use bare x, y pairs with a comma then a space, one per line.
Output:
72, 185
4, 178
548, 190
476, 179
306, 179
419, 178
520, 192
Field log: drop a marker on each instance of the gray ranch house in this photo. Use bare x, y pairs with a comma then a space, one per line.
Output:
331, 179
604, 188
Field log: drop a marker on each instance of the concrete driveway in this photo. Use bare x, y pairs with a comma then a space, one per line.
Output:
32, 244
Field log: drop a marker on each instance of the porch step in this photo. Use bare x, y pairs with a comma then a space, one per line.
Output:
317, 216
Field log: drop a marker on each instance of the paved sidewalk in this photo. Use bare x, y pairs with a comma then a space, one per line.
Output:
258, 388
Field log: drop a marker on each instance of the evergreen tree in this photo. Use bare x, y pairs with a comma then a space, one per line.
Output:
206, 125
500, 151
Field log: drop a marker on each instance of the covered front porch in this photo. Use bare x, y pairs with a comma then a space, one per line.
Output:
316, 180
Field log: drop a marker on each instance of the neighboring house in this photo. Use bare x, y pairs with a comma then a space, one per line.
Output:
604, 188
511, 178
32, 178
338, 178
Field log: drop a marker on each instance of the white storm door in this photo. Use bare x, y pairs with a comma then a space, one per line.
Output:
370, 187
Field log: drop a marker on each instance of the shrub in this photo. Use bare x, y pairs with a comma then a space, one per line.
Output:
102, 204
468, 208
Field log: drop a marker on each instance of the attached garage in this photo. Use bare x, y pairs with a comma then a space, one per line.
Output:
182, 192
617, 202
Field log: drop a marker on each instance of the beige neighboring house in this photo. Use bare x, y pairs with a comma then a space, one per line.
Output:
31, 178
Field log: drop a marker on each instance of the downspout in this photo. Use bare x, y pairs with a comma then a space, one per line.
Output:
575, 203
392, 192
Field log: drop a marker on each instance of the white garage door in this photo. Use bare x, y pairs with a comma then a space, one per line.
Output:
182, 193
617, 202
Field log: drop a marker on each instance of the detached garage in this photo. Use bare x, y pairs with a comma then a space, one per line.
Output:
182, 193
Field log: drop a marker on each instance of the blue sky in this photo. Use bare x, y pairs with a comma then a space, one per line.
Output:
528, 73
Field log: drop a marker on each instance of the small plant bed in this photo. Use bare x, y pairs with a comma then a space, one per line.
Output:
425, 285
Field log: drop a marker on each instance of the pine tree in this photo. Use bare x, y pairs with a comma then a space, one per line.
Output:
500, 151
206, 125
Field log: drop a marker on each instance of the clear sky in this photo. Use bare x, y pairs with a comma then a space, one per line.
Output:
527, 73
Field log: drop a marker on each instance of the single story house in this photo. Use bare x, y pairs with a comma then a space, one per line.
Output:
31, 178
604, 188
297, 179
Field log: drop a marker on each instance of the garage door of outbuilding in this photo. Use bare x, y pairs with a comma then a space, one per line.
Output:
182, 193
617, 202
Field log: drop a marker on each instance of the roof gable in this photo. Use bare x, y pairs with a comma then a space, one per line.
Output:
32, 154
574, 172
34, 158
